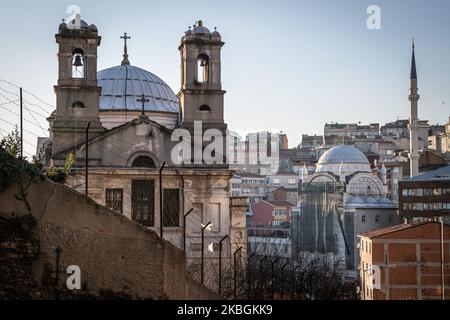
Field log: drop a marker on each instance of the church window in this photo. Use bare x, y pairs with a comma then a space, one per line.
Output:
114, 200
143, 202
377, 218
204, 108
143, 162
363, 219
78, 104
171, 207
78, 64
203, 68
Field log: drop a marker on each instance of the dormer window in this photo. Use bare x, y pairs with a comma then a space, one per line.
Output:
78, 64
203, 68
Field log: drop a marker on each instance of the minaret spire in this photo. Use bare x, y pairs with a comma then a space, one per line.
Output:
125, 60
413, 63
414, 118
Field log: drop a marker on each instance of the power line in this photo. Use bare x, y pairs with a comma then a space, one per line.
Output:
31, 94
14, 125
18, 115
30, 103
34, 118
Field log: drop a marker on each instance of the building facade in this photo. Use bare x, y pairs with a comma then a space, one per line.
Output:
405, 262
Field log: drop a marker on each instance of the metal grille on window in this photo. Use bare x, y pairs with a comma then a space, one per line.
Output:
143, 202
114, 200
171, 207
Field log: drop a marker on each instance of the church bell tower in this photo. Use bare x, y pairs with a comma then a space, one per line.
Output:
201, 95
77, 93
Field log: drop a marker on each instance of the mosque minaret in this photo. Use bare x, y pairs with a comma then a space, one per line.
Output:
414, 119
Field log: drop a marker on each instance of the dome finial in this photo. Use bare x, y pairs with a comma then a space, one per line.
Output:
125, 60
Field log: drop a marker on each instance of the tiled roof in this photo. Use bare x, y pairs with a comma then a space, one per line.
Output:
392, 229
280, 203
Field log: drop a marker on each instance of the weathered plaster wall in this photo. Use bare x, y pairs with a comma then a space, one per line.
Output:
115, 254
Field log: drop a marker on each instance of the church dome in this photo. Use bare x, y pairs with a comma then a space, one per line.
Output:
123, 85
343, 160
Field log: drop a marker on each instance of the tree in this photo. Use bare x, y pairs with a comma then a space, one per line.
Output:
11, 143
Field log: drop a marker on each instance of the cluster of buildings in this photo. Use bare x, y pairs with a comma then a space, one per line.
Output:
359, 194
358, 186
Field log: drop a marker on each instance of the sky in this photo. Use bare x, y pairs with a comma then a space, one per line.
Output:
287, 66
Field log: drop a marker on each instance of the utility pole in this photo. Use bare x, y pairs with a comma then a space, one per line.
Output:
203, 249
184, 226
442, 260
161, 222
21, 124
87, 159
235, 272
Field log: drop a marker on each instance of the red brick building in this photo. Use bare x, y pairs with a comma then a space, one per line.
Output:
404, 262
271, 213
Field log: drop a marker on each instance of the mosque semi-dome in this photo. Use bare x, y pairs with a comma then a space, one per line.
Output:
343, 160
123, 85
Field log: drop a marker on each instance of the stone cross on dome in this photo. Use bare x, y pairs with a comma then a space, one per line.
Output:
125, 60
143, 100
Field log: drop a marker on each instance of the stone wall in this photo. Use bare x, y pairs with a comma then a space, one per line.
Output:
117, 257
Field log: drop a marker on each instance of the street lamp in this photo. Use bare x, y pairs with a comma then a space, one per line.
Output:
204, 227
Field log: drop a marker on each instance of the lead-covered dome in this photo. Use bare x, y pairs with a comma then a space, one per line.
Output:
343, 160
123, 85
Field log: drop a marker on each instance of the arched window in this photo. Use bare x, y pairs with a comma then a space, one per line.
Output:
78, 64
203, 68
363, 219
78, 104
143, 162
204, 108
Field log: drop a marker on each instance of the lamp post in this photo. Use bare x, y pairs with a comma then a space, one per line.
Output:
273, 278
235, 272
203, 248
282, 279
249, 269
261, 274
293, 281
184, 226
220, 263
87, 158
161, 222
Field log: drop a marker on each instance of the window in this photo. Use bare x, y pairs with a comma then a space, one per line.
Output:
413, 192
446, 206
446, 191
204, 108
143, 202
78, 104
363, 219
276, 181
377, 218
413, 206
143, 162
432, 192
114, 200
78, 64
432, 206
171, 207
203, 68
391, 218
292, 181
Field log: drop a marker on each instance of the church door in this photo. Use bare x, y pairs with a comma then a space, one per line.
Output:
143, 202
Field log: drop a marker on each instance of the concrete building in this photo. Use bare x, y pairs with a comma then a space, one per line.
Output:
285, 179
341, 199
351, 130
249, 185
405, 262
426, 196
132, 115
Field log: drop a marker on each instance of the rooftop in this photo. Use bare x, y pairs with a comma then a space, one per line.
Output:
439, 174
392, 229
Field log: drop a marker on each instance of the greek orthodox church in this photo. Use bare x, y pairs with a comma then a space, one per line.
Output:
343, 198
118, 123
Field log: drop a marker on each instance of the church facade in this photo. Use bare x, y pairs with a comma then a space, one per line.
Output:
119, 123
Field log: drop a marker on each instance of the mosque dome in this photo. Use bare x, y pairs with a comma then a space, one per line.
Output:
343, 160
123, 85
